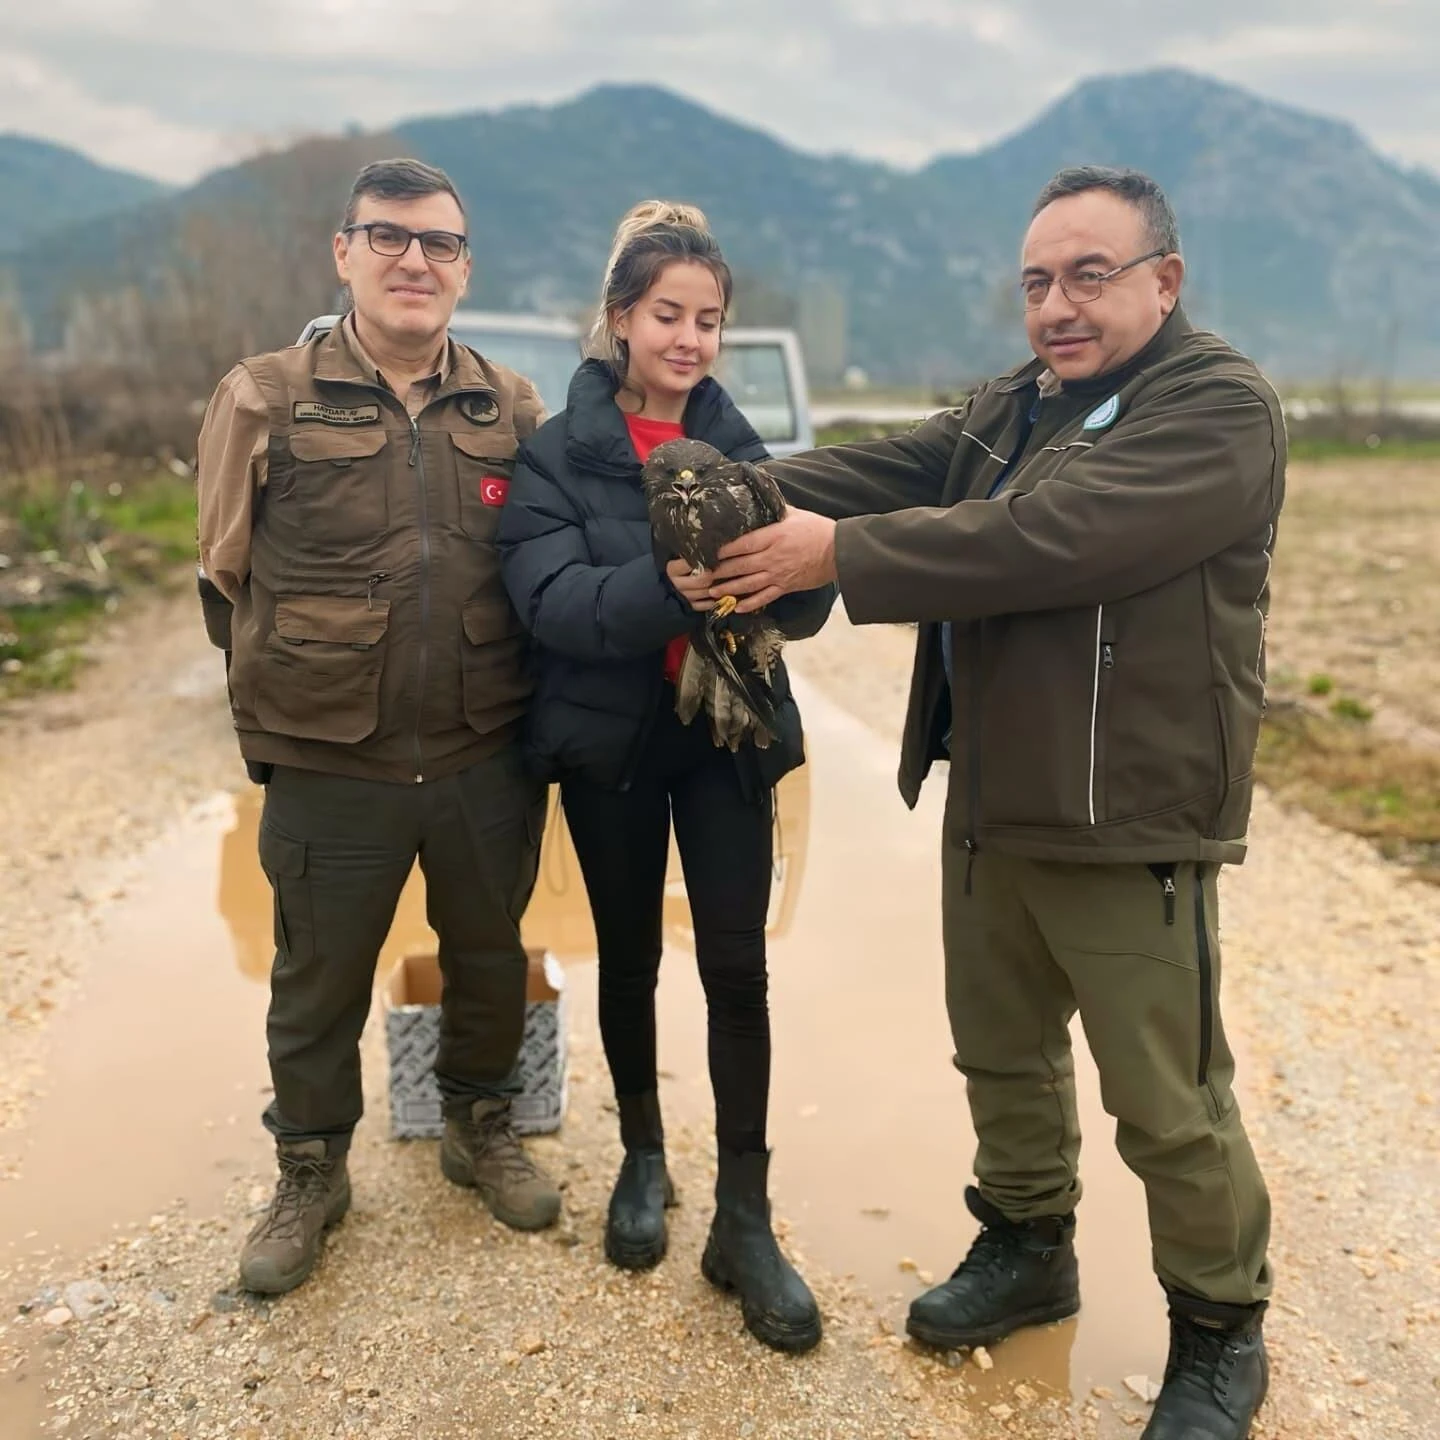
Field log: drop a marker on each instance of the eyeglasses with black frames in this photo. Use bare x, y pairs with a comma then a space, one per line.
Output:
392, 241
1080, 287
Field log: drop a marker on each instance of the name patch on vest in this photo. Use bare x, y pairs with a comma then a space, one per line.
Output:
336, 414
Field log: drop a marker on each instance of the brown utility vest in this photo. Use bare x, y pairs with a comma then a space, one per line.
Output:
375, 637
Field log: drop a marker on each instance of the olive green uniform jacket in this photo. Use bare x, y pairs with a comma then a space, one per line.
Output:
1101, 551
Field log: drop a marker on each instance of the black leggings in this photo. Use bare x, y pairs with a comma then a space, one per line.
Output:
622, 840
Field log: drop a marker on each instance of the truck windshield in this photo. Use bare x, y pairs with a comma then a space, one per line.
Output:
758, 380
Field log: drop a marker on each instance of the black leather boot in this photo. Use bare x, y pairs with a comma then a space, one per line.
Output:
635, 1236
741, 1256
1217, 1373
1016, 1273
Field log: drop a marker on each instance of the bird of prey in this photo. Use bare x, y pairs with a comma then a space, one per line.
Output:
698, 501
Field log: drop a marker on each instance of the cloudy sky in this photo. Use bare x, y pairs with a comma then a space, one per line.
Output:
173, 89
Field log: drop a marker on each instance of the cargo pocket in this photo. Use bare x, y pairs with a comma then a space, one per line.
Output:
492, 664
483, 466
284, 862
319, 676
338, 501
529, 869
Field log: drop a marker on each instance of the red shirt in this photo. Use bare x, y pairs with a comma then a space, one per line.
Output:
645, 435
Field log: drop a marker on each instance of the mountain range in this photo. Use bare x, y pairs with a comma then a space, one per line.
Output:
45, 187
1306, 246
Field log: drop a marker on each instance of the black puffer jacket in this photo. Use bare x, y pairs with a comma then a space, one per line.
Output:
578, 561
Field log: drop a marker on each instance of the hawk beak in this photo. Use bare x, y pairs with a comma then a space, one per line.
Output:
687, 475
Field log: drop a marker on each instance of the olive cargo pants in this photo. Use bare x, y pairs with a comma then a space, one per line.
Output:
337, 852
1135, 951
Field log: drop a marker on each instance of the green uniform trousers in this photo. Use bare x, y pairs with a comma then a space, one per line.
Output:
338, 851
1134, 949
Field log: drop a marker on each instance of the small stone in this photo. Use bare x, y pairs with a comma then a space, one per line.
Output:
1026, 1395
1142, 1387
57, 1317
1102, 1392
531, 1345
1001, 1412
87, 1299
981, 1358
907, 1265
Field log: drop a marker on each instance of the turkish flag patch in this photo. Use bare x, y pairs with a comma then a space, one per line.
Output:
494, 489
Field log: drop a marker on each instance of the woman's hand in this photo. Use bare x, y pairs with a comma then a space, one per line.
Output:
693, 585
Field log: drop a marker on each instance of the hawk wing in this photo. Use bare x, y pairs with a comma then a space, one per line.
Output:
769, 501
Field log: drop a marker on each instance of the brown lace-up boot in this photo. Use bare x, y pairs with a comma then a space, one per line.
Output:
312, 1193
481, 1150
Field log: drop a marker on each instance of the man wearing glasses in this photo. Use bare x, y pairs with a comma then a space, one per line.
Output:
1086, 546
349, 493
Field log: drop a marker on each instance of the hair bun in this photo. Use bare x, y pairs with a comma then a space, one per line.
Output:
651, 213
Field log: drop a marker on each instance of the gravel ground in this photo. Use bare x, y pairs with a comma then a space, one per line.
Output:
428, 1320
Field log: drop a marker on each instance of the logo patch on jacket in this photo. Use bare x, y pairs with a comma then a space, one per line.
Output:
494, 489
480, 409
336, 414
1103, 416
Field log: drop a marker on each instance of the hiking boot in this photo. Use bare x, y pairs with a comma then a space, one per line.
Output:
741, 1256
480, 1149
312, 1194
1217, 1373
635, 1234
1016, 1273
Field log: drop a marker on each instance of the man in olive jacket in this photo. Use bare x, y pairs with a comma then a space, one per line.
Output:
349, 493
1086, 546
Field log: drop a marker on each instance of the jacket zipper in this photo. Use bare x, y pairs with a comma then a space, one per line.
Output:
1165, 873
1104, 657
1207, 1003
417, 463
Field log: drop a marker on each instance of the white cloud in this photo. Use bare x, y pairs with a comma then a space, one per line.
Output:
161, 84
37, 100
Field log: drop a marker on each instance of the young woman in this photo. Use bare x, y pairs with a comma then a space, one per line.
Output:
610, 627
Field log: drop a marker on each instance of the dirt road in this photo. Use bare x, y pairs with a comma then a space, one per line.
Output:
133, 1071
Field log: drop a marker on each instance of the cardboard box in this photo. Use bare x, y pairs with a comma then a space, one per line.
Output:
412, 1037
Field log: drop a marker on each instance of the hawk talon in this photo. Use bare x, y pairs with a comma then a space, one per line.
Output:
730, 643
724, 606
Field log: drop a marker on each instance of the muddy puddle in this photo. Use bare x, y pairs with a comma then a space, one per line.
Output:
157, 1074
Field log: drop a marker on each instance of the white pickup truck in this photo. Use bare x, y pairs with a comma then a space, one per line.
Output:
762, 369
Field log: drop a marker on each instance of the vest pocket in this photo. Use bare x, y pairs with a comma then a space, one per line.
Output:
319, 674
483, 466
492, 664
337, 497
